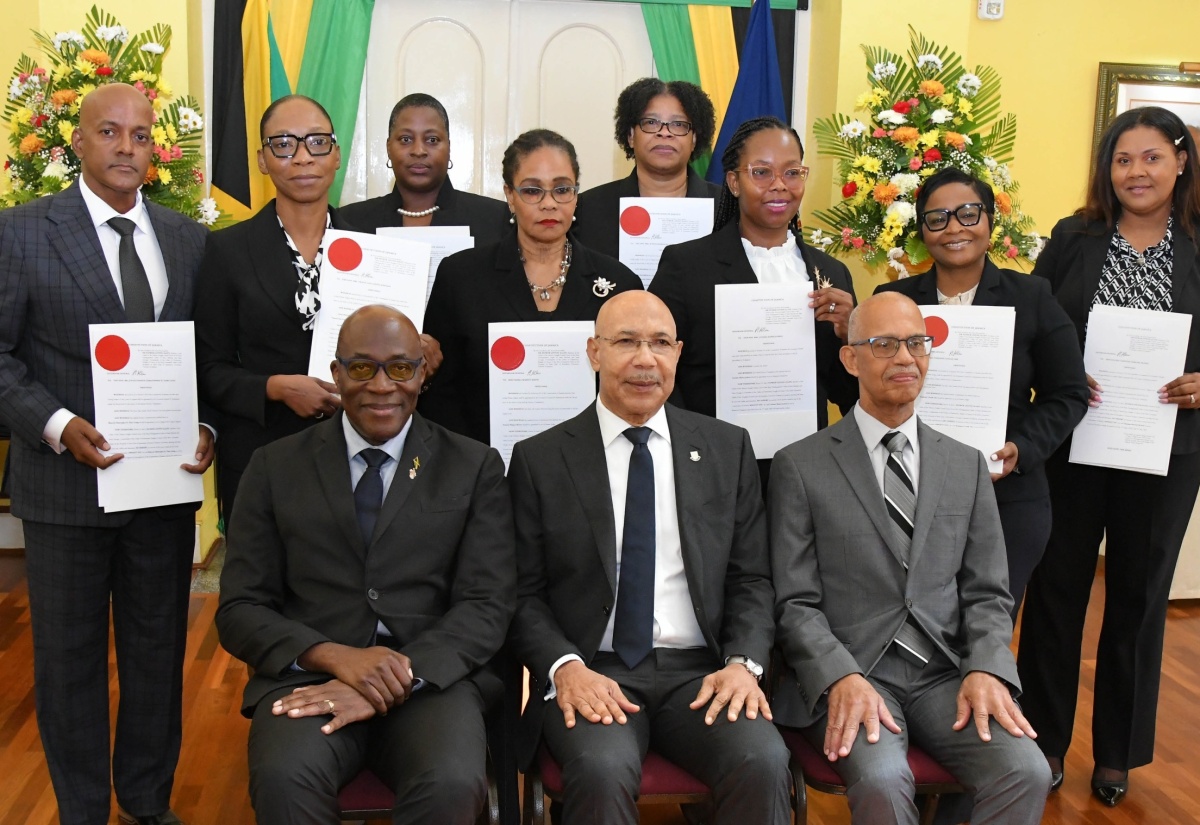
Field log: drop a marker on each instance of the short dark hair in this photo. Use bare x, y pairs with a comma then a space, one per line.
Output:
635, 97
952, 174
266, 115
418, 99
727, 204
529, 142
1102, 203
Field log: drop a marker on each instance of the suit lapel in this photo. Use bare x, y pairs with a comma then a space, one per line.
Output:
273, 262
929, 491
583, 452
178, 280
989, 284
510, 279
75, 240
333, 470
1184, 274
695, 485
1092, 252
577, 291
728, 251
851, 455
628, 187
418, 454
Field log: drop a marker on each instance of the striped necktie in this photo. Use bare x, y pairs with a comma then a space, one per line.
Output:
898, 492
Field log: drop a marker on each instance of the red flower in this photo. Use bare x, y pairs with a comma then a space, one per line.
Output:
1012, 252
849, 189
902, 107
915, 163
932, 155
104, 71
857, 243
38, 120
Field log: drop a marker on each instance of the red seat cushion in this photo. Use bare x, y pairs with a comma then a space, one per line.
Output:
659, 776
366, 792
817, 768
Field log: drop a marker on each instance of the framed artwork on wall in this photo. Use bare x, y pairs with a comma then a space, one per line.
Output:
1124, 86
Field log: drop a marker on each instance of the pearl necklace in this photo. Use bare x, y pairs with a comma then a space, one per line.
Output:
420, 214
543, 292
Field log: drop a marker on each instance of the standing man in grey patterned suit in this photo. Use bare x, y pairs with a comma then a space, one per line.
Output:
96, 253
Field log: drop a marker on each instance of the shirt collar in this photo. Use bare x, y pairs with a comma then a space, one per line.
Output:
355, 443
612, 426
873, 430
101, 211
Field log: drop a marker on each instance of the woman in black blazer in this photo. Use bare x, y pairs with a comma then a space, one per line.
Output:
537, 272
1046, 356
764, 214
418, 149
258, 292
1134, 243
650, 115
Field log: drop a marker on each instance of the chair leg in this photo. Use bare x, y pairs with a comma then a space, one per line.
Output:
799, 795
533, 809
929, 809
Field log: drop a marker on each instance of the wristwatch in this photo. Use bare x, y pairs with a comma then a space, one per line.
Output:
756, 670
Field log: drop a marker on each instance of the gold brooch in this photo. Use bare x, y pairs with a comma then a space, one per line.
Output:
822, 281
412, 473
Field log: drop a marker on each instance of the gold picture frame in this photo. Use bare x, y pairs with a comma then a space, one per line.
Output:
1123, 86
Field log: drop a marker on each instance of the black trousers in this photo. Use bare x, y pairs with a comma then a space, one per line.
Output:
143, 570
1143, 519
1026, 527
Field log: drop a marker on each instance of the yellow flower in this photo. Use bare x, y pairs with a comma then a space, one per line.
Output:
863, 101
158, 104
877, 97
868, 164
172, 133
23, 116
930, 139
997, 231
144, 76
164, 175
61, 71
163, 89
66, 128
964, 106
926, 171
85, 90
160, 136
947, 99
85, 68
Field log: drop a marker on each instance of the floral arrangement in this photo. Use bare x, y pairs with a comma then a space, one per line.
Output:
42, 110
917, 117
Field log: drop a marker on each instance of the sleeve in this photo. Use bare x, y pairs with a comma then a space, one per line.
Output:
670, 284
440, 402
840, 386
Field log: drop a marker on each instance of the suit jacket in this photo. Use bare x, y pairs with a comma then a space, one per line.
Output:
567, 563
54, 282
598, 213
1072, 261
248, 329
841, 593
487, 217
1046, 359
439, 571
485, 285
685, 279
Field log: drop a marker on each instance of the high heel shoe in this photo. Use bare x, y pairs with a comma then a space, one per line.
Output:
1110, 791
1057, 773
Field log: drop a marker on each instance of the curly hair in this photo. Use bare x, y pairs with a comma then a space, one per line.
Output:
529, 142
418, 99
634, 98
727, 204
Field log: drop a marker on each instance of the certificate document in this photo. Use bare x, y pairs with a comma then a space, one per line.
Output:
442, 240
966, 388
647, 225
144, 382
362, 269
1131, 353
538, 376
766, 362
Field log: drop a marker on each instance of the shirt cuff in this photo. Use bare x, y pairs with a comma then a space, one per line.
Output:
551, 690
211, 429
52, 435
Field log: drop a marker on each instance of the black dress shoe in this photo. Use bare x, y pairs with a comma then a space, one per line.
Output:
1056, 780
1110, 791
167, 817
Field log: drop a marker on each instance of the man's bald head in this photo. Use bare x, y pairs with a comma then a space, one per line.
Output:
635, 353
378, 407
113, 143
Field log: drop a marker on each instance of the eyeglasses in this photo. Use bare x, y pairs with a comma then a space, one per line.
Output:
659, 346
765, 175
968, 214
535, 194
286, 146
886, 346
364, 369
650, 125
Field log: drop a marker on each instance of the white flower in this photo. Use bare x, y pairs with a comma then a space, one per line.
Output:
906, 181
902, 210
891, 118
925, 61
68, 37
990, 162
111, 33
969, 84
884, 70
208, 211
819, 238
189, 119
894, 254
941, 116
56, 169
15, 90
1001, 176
853, 129
1039, 243
153, 48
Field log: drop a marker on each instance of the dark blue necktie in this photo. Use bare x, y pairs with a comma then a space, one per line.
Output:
368, 493
633, 628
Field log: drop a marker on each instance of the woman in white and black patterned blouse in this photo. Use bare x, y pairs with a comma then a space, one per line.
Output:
1133, 244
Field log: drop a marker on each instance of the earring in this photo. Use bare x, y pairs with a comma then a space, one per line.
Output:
512, 217
389, 164
450, 165
574, 218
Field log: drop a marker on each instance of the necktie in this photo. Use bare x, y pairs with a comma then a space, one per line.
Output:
368, 493
633, 627
139, 301
898, 491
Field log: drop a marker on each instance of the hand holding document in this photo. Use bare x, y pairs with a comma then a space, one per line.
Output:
966, 388
1131, 353
363, 269
648, 225
144, 382
766, 362
539, 376
442, 240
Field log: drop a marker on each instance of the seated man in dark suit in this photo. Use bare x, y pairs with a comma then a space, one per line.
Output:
892, 593
370, 577
644, 595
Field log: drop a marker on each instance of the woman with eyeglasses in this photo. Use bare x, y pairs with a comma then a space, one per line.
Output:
662, 126
537, 272
956, 212
418, 150
259, 293
1133, 244
756, 239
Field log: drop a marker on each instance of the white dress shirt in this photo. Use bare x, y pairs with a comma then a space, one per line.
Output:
777, 264
873, 430
964, 298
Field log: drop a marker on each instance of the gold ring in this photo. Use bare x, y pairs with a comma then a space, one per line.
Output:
330, 703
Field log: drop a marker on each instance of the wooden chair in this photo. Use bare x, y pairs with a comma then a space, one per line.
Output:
366, 797
810, 768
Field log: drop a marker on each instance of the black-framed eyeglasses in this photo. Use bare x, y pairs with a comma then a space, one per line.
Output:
765, 175
968, 214
286, 146
651, 125
661, 345
364, 369
886, 346
535, 194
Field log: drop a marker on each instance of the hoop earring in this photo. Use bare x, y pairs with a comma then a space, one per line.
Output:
389, 163
450, 165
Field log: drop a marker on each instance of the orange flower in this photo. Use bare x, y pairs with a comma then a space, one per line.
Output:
151, 174
31, 144
64, 97
931, 88
906, 136
95, 56
1004, 203
955, 140
885, 193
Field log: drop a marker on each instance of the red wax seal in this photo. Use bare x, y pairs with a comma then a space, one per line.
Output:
112, 352
508, 353
635, 220
938, 328
345, 254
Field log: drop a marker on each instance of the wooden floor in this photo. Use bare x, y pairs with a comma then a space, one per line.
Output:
210, 785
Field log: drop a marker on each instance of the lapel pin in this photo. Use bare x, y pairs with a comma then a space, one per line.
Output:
695, 455
602, 287
412, 473
822, 281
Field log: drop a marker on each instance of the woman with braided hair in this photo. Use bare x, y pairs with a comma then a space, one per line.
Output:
755, 239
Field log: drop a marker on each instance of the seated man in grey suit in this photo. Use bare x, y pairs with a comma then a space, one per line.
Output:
892, 593
369, 579
644, 610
